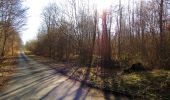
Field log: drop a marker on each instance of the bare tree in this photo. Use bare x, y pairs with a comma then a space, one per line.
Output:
12, 16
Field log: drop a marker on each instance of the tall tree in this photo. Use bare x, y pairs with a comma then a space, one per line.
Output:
12, 16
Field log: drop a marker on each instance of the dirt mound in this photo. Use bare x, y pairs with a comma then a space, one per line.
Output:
137, 67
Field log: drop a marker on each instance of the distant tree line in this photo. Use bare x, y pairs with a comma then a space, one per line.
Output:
137, 32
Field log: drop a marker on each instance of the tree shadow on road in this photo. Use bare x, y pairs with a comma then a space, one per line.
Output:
83, 84
21, 89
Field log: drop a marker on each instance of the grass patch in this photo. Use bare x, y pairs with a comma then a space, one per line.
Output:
153, 85
131, 78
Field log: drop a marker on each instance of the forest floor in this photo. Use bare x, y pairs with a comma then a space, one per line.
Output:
7, 69
150, 85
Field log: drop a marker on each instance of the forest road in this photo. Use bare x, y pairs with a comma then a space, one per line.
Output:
36, 81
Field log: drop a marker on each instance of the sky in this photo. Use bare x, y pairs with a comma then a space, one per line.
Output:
34, 15
33, 18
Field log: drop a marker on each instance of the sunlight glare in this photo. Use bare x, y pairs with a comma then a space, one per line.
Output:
103, 5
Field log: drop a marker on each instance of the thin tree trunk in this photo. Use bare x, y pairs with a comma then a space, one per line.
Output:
120, 30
